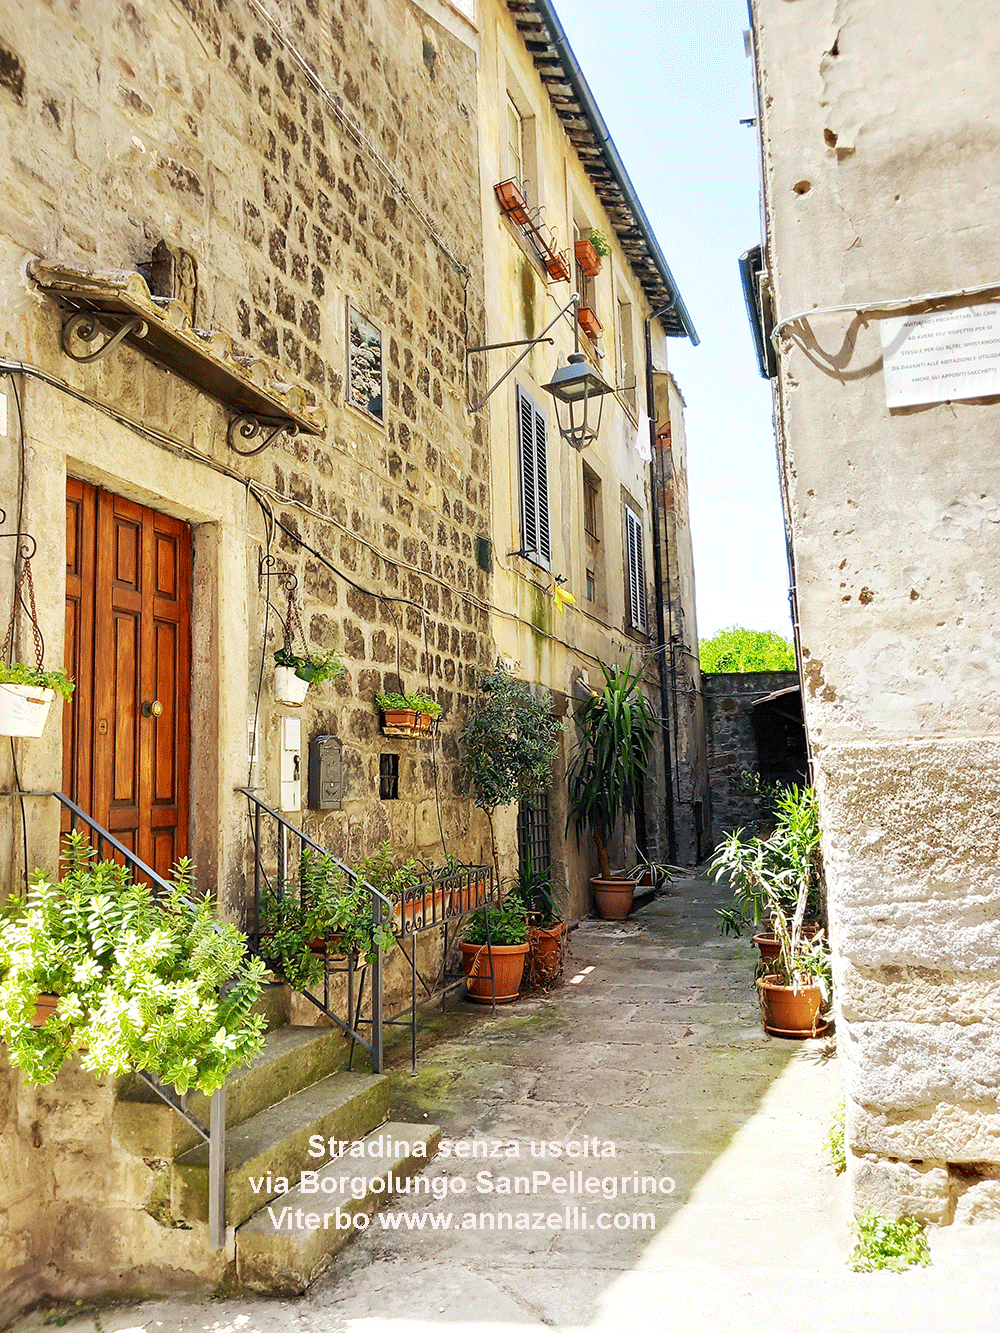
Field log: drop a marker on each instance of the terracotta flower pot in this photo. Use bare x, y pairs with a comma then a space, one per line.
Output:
769, 946
587, 256
423, 909
45, 1006
613, 897
399, 717
507, 967
790, 1013
512, 201
544, 944
557, 266
589, 322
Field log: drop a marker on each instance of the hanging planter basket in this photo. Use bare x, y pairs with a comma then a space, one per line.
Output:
288, 687
23, 709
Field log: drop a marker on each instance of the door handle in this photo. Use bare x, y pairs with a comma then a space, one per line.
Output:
153, 709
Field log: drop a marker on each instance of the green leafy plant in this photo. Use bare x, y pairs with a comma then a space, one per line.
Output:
313, 667
835, 1141
507, 924
382, 873
609, 769
600, 243
765, 795
775, 880
893, 1243
17, 673
325, 905
509, 741
534, 894
418, 703
739, 649
143, 983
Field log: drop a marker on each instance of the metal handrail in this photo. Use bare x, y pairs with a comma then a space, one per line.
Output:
215, 1134
380, 903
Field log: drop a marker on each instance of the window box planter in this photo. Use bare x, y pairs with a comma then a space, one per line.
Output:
557, 266
23, 709
395, 718
589, 322
513, 202
587, 257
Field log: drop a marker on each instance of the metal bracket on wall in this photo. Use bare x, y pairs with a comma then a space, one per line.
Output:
28, 547
266, 569
86, 326
248, 427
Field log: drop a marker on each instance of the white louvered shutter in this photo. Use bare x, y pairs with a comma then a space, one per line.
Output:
531, 440
635, 571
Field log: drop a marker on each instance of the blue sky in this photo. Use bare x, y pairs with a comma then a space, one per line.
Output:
672, 81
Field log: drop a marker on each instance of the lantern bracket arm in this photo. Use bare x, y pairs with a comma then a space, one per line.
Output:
573, 302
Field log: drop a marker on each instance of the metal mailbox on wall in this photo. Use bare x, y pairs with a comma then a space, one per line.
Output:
326, 773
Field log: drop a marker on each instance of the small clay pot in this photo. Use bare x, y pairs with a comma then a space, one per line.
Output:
613, 897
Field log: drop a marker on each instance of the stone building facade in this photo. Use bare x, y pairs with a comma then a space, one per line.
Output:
328, 208
880, 187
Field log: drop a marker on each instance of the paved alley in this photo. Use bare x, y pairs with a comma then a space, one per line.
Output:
718, 1203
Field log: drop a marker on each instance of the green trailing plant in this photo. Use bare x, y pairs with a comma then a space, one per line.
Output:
313, 667
739, 649
835, 1141
506, 924
17, 673
509, 741
143, 983
600, 243
326, 905
417, 703
607, 776
893, 1243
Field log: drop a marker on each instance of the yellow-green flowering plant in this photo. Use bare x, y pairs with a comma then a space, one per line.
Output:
159, 985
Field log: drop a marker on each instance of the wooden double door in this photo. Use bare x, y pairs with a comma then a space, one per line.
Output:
127, 736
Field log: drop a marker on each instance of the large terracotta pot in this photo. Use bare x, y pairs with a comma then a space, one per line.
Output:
544, 944
507, 966
45, 1006
613, 897
790, 1013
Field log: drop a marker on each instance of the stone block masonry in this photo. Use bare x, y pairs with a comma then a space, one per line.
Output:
732, 749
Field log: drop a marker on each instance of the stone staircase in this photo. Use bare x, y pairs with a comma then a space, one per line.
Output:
295, 1090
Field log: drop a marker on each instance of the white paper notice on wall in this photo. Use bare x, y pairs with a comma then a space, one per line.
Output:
945, 354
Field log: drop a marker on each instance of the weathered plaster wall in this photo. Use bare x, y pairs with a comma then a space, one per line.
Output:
334, 159
732, 748
880, 154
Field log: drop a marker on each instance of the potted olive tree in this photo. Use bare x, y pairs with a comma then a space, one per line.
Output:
494, 947
615, 728
509, 742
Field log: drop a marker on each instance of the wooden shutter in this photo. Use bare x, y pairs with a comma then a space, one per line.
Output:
531, 442
635, 571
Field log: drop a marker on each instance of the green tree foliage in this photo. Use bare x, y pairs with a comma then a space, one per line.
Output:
739, 649
509, 741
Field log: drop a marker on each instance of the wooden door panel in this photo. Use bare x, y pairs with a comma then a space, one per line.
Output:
131, 603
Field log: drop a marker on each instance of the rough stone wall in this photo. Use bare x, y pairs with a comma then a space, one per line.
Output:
880, 176
334, 160
732, 749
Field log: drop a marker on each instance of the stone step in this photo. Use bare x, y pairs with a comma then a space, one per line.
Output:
286, 1245
292, 1059
275, 1143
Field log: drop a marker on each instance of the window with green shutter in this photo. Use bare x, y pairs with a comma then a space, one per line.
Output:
536, 538
635, 572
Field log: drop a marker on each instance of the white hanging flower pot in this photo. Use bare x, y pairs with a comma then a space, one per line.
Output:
288, 687
24, 708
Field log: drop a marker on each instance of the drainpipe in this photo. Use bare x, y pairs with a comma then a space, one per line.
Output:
663, 644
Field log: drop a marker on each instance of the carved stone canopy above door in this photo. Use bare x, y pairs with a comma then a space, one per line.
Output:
108, 308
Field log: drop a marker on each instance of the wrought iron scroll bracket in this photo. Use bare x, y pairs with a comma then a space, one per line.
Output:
87, 327
268, 568
28, 546
248, 427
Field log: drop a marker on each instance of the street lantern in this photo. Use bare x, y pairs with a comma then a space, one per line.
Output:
575, 387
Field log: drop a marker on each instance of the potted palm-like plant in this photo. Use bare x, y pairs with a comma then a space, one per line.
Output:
778, 881
608, 772
546, 925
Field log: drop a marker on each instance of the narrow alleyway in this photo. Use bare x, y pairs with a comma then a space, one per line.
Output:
654, 1046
